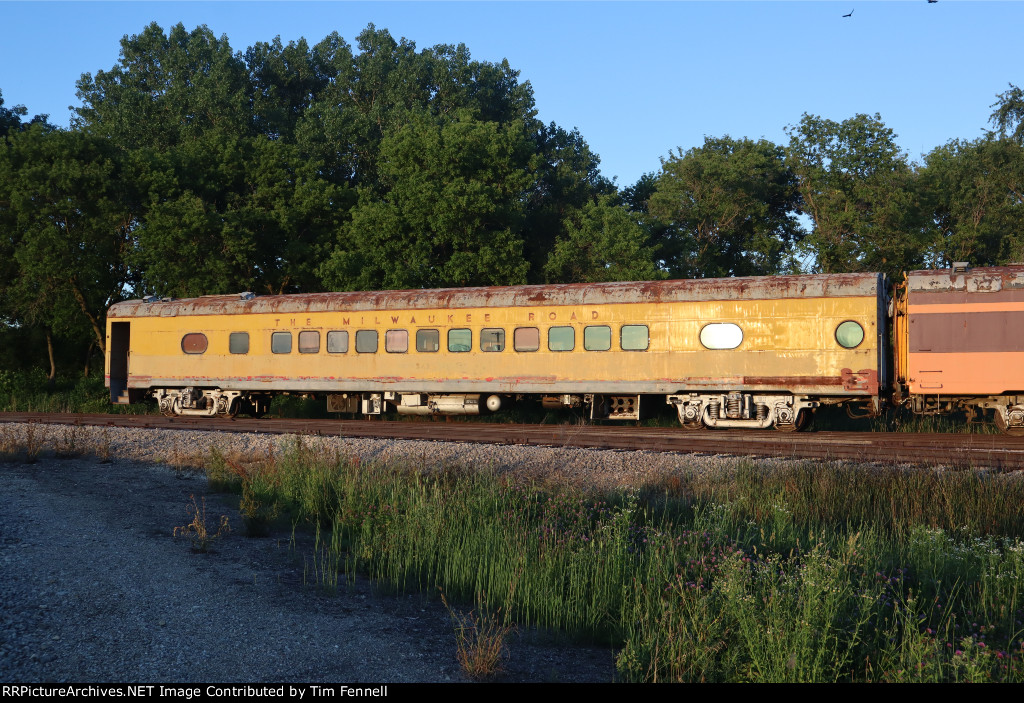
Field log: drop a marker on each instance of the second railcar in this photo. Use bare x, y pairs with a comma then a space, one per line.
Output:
960, 343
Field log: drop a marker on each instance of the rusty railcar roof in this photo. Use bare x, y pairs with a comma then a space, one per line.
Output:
979, 280
708, 289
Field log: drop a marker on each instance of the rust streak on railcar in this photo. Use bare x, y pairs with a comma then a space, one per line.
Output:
699, 290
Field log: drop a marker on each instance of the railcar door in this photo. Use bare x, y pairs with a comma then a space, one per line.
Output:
120, 344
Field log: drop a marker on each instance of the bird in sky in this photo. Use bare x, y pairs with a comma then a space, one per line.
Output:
851, 11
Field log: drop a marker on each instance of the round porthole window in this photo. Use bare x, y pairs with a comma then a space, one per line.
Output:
849, 334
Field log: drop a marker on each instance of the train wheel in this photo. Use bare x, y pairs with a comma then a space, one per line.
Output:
802, 422
691, 417
1000, 421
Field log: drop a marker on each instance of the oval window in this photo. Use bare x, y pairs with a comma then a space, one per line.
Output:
849, 334
721, 335
194, 343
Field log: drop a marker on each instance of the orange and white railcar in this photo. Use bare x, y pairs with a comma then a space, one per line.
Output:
960, 342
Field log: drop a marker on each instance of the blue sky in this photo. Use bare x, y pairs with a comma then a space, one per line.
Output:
638, 79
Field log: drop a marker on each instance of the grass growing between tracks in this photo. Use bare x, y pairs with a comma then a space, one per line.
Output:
769, 573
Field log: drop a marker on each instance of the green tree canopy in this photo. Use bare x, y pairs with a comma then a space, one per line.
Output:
1008, 117
861, 194
604, 241
448, 209
975, 192
67, 231
167, 89
727, 209
10, 118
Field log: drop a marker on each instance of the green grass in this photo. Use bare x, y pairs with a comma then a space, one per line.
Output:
801, 572
28, 391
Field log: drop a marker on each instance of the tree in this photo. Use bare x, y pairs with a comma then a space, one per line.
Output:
284, 82
225, 214
1008, 118
568, 179
67, 232
167, 89
726, 209
975, 192
448, 210
10, 119
377, 90
603, 242
861, 194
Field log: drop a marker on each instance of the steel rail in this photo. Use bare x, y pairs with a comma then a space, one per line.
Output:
953, 450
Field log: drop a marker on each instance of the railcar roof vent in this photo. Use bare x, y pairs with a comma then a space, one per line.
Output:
151, 299
248, 295
960, 266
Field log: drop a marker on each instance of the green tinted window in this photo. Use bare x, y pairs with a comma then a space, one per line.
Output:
366, 341
460, 340
281, 342
561, 339
337, 342
597, 338
238, 343
849, 334
634, 338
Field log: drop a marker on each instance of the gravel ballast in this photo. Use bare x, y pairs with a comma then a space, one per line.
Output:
96, 587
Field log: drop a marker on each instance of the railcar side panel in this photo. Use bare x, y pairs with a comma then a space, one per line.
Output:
966, 332
787, 344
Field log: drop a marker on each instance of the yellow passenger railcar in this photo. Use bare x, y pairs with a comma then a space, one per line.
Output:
752, 352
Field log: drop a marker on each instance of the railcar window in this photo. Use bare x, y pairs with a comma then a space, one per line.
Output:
460, 340
526, 339
597, 338
721, 335
849, 334
238, 343
366, 341
428, 340
281, 342
309, 342
396, 341
194, 343
561, 338
634, 338
337, 342
492, 340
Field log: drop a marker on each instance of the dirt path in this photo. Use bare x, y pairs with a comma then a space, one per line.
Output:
96, 588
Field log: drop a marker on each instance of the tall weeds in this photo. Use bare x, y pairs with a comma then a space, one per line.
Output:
808, 572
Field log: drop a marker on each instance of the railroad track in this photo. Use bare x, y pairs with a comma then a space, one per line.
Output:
957, 450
